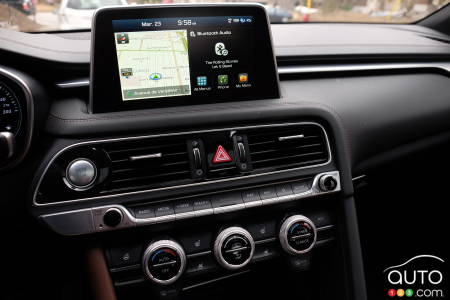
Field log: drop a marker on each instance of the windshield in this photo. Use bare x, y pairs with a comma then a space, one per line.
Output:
91, 4
47, 15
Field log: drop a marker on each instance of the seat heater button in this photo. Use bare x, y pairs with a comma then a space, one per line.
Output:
263, 230
124, 256
265, 251
201, 264
195, 243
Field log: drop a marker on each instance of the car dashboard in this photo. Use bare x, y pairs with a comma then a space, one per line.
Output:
217, 200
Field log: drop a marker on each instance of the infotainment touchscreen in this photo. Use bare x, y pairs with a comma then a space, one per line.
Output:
156, 56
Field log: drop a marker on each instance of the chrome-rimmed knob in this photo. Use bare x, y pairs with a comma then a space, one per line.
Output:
328, 183
164, 262
298, 235
81, 174
234, 248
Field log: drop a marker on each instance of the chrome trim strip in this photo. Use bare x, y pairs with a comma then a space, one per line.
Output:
204, 212
325, 241
225, 209
29, 101
125, 268
358, 178
185, 215
265, 241
325, 227
291, 137
361, 67
128, 282
330, 157
317, 69
253, 204
147, 156
193, 255
215, 280
130, 221
73, 84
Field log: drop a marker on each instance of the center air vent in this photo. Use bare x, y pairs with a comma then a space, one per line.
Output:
139, 164
283, 148
149, 163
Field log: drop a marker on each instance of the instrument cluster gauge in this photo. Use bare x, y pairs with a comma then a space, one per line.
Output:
10, 112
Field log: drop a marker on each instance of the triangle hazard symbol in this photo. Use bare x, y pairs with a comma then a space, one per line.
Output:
221, 156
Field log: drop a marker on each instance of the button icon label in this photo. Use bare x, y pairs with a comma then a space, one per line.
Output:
243, 77
201, 80
220, 49
221, 156
122, 38
222, 79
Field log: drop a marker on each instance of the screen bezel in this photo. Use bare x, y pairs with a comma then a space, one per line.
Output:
106, 95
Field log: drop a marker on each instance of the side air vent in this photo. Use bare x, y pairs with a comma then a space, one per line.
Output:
148, 163
280, 148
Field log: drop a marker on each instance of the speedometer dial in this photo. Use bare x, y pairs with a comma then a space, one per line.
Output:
10, 112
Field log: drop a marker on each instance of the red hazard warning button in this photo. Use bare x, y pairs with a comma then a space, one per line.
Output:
221, 156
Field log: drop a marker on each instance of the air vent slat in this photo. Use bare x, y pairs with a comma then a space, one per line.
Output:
273, 149
127, 179
289, 157
174, 164
289, 165
141, 147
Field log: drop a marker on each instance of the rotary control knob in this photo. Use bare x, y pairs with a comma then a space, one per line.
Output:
113, 217
327, 183
80, 174
164, 262
297, 235
234, 248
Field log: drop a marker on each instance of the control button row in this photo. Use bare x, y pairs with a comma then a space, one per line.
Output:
222, 203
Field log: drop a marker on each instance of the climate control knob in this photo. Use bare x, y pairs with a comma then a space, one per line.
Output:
297, 235
234, 248
164, 262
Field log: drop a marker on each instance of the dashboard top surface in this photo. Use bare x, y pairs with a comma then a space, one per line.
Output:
300, 40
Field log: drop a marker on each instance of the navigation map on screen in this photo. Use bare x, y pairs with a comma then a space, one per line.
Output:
153, 64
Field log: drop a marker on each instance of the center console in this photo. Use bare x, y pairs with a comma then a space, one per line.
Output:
183, 211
